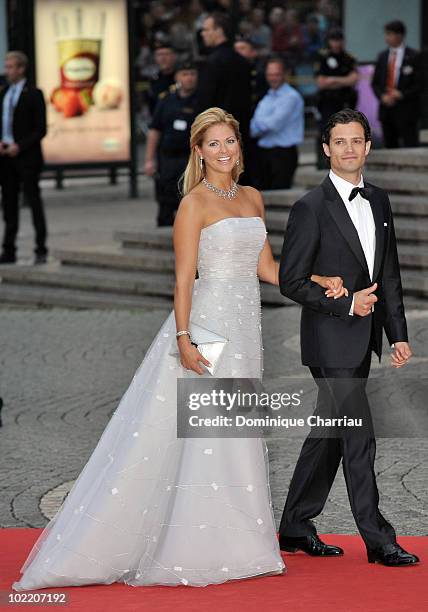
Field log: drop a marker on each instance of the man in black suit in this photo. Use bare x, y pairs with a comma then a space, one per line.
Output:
225, 79
343, 227
23, 125
397, 83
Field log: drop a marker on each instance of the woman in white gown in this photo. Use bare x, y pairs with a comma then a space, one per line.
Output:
149, 508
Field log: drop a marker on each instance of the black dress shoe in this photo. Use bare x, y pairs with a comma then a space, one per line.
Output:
40, 259
7, 259
311, 545
391, 555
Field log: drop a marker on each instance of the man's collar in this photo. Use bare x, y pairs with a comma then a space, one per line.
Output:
342, 185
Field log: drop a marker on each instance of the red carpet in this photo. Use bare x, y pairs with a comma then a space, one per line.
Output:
347, 584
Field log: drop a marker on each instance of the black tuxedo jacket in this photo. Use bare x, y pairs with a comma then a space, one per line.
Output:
29, 124
225, 81
409, 83
321, 239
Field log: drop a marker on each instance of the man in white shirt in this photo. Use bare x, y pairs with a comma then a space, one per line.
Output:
343, 227
22, 127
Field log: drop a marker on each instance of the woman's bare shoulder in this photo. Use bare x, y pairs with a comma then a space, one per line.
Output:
254, 196
251, 192
192, 205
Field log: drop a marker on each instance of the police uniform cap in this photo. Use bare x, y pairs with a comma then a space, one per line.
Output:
185, 65
335, 34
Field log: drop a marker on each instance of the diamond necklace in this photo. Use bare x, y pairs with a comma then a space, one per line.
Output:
223, 193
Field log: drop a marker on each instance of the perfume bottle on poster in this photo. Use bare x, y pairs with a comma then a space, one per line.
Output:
80, 38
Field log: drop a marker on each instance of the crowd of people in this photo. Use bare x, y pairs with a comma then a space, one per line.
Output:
252, 72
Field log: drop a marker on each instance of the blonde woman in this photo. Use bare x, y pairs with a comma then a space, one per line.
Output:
148, 507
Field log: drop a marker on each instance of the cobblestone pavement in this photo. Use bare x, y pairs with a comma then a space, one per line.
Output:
62, 373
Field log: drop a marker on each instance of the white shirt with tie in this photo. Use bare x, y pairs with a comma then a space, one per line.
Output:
361, 214
399, 55
10, 100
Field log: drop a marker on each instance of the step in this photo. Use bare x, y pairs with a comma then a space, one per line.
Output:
393, 182
415, 282
406, 229
48, 297
93, 279
145, 239
124, 284
413, 159
412, 256
148, 260
283, 199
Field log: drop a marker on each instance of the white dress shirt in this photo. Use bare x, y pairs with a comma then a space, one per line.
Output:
10, 101
361, 215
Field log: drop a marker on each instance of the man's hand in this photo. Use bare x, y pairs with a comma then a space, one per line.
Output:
401, 354
149, 167
388, 99
364, 300
333, 285
3, 148
395, 94
12, 150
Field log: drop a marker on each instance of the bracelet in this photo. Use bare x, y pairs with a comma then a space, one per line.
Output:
182, 333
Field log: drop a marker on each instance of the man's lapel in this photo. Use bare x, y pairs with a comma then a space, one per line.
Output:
344, 222
338, 211
379, 219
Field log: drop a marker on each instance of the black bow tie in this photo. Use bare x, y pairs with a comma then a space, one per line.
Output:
363, 191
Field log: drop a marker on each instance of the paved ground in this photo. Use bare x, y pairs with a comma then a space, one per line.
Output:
63, 372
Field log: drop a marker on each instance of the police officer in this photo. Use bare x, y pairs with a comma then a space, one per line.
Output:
166, 60
336, 76
167, 148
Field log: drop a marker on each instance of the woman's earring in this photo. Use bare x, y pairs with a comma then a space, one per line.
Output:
201, 162
237, 162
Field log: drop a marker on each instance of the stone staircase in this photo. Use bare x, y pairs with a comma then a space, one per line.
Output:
139, 271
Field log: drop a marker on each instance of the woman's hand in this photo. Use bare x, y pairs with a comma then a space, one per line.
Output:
333, 285
190, 356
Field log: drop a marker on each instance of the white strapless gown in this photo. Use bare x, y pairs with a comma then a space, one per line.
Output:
149, 508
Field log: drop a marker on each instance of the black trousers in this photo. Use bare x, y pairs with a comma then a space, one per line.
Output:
166, 187
14, 175
340, 390
399, 131
277, 167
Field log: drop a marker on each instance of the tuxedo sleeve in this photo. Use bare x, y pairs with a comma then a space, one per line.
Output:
299, 251
415, 85
395, 320
38, 130
377, 80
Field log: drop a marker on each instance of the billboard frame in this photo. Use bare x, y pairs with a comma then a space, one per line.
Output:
61, 169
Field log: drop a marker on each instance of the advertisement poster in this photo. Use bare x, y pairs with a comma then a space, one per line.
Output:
82, 67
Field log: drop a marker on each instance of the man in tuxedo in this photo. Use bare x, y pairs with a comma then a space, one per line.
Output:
23, 125
397, 83
343, 227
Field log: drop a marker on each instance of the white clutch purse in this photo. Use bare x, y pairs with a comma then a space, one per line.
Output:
210, 345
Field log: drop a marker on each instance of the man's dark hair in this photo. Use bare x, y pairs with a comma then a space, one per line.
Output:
164, 45
396, 26
222, 21
276, 59
347, 115
334, 34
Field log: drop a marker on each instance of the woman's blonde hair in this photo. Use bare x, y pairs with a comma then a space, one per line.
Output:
194, 174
